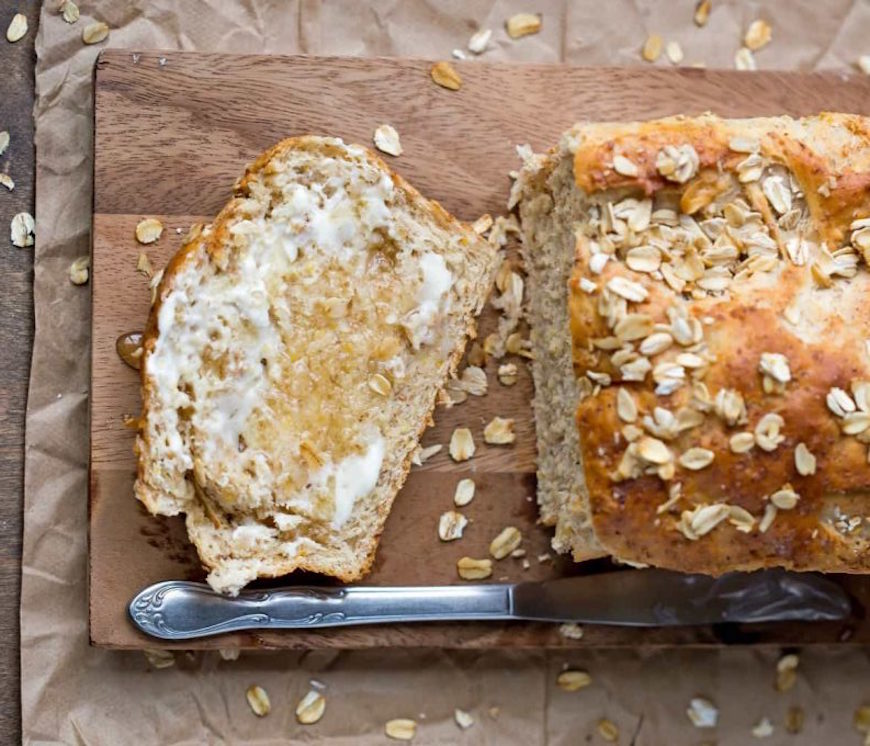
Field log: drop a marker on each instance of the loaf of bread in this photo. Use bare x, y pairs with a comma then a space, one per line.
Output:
293, 356
703, 299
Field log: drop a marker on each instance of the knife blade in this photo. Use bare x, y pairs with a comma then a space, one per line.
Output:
183, 610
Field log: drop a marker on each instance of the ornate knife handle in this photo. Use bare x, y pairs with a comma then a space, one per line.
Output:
181, 610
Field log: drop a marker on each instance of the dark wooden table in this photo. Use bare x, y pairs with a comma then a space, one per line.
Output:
16, 338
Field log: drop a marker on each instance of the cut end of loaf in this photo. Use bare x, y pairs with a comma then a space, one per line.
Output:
293, 357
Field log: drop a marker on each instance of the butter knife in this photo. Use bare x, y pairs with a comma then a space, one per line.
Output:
182, 610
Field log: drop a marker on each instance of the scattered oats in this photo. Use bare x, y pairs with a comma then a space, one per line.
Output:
458, 54
572, 680
702, 712
702, 12
310, 708
451, 525
767, 519
474, 569
794, 719
4, 141
518, 553
839, 402
482, 224
95, 32
571, 631
763, 728
444, 75
743, 60
523, 24
507, 374
545, 557
380, 385
526, 564
463, 719
6, 181
22, 230
464, 492
70, 11
401, 729
499, 431
625, 406
479, 41
674, 52
786, 672
775, 365
386, 139
785, 498
229, 654
473, 380
652, 48
258, 699
17, 28
424, 454
506, 542
624, 166
757, 35
461, 444
79, 270
741, 442
608, 731
767, 432
631, 291
159, 658
149, 230
864, 64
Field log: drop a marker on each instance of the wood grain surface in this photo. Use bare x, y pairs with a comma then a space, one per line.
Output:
16, 338
172, 137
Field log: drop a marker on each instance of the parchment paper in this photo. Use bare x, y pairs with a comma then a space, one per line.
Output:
76, 695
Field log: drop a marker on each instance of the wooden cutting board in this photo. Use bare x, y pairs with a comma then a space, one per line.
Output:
174, 131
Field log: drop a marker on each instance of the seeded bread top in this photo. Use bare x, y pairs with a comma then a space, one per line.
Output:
718, 309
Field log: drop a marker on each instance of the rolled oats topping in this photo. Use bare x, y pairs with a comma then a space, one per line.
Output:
839, 402
804, 461
627, 289
785, 498
677, 163
775, 365
696, 459
767, 432
741, 442
626, 408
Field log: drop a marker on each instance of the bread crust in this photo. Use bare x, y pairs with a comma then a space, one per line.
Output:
211, 244
829, 159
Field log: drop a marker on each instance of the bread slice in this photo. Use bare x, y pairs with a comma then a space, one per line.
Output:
548, 256
293, 356
717, 306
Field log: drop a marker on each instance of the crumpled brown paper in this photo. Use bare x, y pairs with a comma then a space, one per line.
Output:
77, 695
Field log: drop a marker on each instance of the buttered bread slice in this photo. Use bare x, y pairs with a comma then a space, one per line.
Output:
292, 360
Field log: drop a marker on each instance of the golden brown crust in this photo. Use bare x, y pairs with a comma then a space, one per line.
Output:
829, 529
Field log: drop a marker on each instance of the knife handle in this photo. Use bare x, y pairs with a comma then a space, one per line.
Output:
181, 610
